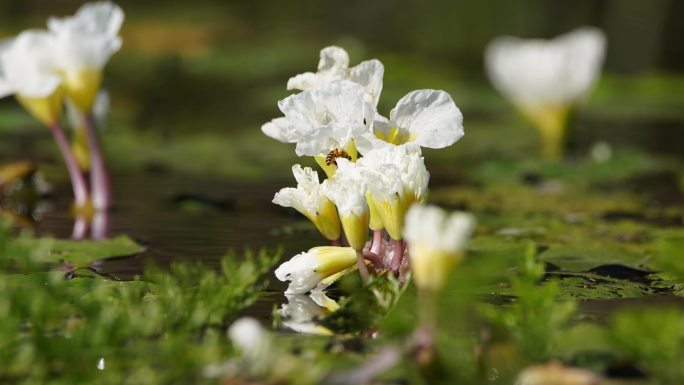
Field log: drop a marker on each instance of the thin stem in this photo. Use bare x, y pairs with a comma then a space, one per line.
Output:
78, 183
377, 262
423, 340
377, 242
363, 269
99, 177
397, 254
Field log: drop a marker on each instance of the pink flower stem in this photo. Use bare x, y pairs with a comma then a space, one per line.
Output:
78, 183
397, 254
99, 177
374, 258
377, 242
363, 269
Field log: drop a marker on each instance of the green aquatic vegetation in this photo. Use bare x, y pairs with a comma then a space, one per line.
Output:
653, 340
535, 316
89, 329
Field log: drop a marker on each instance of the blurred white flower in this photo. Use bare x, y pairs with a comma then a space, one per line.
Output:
396, 178
436, 243
556, 374
334, 65
545, 78
84, 43
27, 70
425, 118
308, 198
322, 120
536, 73
254, 343
306, 270
347, 191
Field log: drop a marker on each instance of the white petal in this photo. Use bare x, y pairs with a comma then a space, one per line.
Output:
431, 226
534, 73
430, 116
301, 272
27, 64
366, 140
333, 59
89, 38
325, 118
280, 130
369, 74
290, 197
347, 189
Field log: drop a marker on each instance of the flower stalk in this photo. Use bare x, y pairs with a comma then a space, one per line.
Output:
99, 177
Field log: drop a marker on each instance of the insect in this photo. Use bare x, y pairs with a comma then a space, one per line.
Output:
332, 156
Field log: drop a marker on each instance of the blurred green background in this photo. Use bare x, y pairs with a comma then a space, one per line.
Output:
194, 81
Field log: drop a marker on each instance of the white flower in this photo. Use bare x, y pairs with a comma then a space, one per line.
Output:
27, 70
27, 65
396, 178
83, 45
535, 74
334, 65
425, 118
253, 341
306, 270
556, 374
321, 120
308, 198
347, 191
436, 242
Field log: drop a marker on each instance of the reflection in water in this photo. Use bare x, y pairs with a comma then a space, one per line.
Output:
302, 312
201, 226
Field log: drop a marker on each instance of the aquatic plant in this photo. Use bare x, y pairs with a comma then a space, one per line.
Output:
546, 79
45, 69
334, 119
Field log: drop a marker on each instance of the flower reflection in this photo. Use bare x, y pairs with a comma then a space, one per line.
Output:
301, 313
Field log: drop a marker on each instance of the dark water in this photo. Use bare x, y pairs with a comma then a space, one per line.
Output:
187, 218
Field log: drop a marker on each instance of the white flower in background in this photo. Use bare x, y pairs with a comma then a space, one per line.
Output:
436, 243
347, 191
309, 199
306, 270
83, 45
27, 70
545, 78
556, 374
302, 312
425, 118
396, 179
255, 343
322, 120
334, 65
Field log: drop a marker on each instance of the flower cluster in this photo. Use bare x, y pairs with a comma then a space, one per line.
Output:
375, 173
47, 69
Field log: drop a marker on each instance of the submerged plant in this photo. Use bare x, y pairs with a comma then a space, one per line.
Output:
545, 79
45, 69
